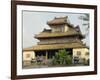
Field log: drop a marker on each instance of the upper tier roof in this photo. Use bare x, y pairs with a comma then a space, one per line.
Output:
58, 20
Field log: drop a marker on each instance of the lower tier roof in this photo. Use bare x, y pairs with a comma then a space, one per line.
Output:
55, 46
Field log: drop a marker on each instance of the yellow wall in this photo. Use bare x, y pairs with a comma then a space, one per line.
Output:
83, 53
30, 53
60, 28
66, 28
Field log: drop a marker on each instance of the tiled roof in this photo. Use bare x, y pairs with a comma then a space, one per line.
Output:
56, 46
28, 49
70, 32
60, 20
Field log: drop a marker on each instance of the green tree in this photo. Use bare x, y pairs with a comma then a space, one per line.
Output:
85, 19
62, 57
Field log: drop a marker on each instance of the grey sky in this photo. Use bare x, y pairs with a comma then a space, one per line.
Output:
34, 22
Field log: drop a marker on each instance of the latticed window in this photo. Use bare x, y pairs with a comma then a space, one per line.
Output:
28, 55
78, 53
87, 53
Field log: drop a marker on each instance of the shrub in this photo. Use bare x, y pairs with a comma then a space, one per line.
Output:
62, 57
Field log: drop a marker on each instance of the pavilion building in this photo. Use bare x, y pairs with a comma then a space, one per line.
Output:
61, 35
